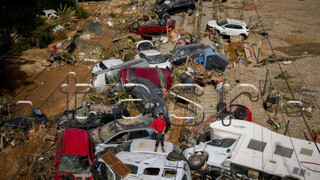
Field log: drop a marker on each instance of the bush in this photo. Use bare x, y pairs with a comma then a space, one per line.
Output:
45, 38
60, 35
112, 14
81, 13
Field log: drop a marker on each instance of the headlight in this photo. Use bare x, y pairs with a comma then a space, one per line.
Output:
149, 106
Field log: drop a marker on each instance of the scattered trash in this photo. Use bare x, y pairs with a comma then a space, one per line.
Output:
57, 28
307, 90
163, 39
110, 23
85, 36
286, 62
40, 159
306, 52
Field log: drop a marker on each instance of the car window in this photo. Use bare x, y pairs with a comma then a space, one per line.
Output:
237, 27
169, 173
224, 143
125, 146
229, 26
120, 138
102, 66
138, 134
156, 59
142, 56
74, 164
222, 22
112, 77
151, 171
133, 168
107, 131
93, 121
163, 80
187, 51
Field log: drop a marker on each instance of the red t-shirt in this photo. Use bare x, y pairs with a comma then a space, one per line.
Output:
160, 125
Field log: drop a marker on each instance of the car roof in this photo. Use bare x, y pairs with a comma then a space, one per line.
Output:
235, 21
133, 124
145, 159
75, 142
147, 146
49, 11
150, 52
134, 62
190, 45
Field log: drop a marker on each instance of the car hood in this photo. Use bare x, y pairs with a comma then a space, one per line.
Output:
99, 83
212, 23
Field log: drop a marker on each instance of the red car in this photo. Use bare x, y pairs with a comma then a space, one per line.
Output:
74, 155
160, 77
155, 27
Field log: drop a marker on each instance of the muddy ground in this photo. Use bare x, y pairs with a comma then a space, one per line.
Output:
293, 26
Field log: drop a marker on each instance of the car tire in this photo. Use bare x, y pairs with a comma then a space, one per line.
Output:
175, 156
196, 161
243, 37
201, 138
37, 112
221, 107
162, 22
135, 26
189, 12
184, 135
241, 113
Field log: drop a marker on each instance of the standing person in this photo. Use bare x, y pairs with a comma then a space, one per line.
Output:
159, 126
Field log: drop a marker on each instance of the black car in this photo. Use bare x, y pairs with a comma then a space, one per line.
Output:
90, 116
24, 122
178, 56
153, 103
175, 6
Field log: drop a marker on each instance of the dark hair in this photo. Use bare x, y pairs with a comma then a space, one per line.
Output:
160, 114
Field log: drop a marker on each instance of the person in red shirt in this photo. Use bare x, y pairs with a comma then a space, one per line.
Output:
159, 126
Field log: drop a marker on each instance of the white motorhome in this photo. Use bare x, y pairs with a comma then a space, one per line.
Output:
246, 147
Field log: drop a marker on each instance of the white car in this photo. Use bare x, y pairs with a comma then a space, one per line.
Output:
106, 64
154, 58
141, 166
229, 27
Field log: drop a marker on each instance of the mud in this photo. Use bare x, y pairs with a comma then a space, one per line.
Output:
301, 49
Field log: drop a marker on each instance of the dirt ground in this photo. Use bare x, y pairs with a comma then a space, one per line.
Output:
293, 26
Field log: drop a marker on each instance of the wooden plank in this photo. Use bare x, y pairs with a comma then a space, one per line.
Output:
115, 164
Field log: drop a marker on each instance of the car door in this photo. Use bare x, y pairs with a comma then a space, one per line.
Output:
237, 30
228, 29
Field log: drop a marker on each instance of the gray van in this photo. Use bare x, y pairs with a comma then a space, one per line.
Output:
111, 75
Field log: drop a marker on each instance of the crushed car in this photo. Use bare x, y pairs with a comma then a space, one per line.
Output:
152, 99
74, 155
159, 76
155, 59
176, 6
90, 116
154, 27
179, 55
143, 166
122, 130
106, 64
111, 76
213, 60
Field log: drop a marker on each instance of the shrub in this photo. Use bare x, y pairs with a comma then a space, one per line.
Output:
81, 13
45, 38
112, 14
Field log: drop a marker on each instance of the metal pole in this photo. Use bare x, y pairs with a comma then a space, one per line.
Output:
265, 83
270, 89
277, 107
287, 126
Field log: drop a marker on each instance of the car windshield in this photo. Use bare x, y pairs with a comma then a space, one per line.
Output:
107, 131
102, 66
222, 22
112, 77
224, 143
74, 164
125, 146
156, 59
163, 81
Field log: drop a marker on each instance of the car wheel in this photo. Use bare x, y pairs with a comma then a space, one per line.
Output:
189, 11
135, 26
221, 107
184, 135
37, 112
175, 156
166, 16
163, 22
243, 37
201, 138
241, 113
196, 161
